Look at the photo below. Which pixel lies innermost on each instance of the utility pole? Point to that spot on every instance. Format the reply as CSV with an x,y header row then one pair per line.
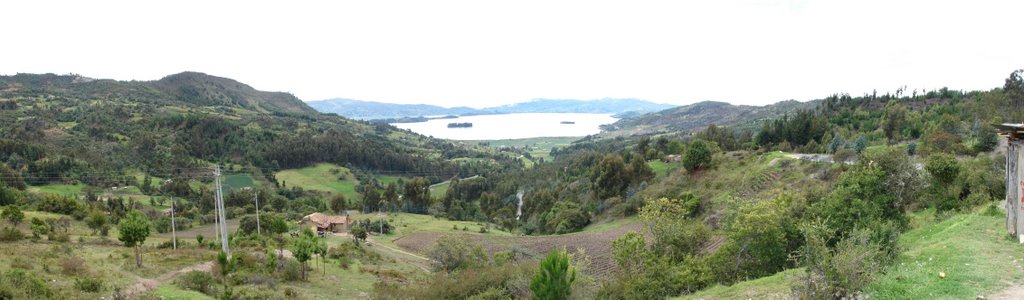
x,y
174,234
220,214
256,197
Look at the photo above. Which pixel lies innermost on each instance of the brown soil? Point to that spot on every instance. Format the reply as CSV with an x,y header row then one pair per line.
x,y
596,245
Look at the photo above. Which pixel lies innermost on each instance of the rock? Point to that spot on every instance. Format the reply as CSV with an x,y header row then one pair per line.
x,y
979,297
942,275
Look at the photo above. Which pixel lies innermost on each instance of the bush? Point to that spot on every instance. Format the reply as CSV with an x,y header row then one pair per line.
x,y
841,272
199,281
11,234
567,216
292,271
89,284
697,156
73,266
452,253
26,285
555,277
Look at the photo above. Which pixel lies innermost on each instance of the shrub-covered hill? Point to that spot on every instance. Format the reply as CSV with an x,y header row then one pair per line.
x,y
68,128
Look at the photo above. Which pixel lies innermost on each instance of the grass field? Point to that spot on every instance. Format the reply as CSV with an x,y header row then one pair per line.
x,y
169,291
973,250
237,182
328,178
661,168
60,189
437,191
321,177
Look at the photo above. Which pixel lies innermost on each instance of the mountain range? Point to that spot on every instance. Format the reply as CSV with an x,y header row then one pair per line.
x,y
358,109
696,116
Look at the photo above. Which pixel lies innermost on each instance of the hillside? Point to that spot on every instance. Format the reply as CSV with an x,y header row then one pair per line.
x,y
69,129
363,110
376,110
182,89
204,89
696,116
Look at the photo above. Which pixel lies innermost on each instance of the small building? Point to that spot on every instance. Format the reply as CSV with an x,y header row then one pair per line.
x,y
320,222
671,158
1014,179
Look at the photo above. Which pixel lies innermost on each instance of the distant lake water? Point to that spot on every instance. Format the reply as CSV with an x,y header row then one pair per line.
x,y
512,126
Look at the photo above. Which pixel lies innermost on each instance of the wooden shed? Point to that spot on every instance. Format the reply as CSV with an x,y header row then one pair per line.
x,y
1014,179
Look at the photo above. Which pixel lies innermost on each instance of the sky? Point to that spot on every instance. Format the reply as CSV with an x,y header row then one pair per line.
x,y
484,53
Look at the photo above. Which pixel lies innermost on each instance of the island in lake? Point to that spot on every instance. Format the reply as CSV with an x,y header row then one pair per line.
x,y
568,122
460,125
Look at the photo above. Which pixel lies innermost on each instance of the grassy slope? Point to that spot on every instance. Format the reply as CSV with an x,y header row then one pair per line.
x,y
661,168
321,178
972,249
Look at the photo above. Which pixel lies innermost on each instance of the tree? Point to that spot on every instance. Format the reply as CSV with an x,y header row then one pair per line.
x,y
338,203
11,178
304,246
639,170
611,177
698,156
225,265
358,234
943,167
97,221
1014,90
391,194
860,144
134,230
278,227
371,198
13,215
39,228
147,185
555,277
417,195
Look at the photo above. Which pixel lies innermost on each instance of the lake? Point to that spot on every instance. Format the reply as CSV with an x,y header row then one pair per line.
x,y
512,126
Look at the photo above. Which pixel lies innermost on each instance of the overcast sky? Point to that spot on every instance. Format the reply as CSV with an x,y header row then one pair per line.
x,y
483,53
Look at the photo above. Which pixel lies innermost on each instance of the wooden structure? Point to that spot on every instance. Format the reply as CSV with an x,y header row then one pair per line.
x,y
1014,179
320,222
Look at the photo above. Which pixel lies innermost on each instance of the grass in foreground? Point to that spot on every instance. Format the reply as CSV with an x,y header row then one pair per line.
x,y
973,250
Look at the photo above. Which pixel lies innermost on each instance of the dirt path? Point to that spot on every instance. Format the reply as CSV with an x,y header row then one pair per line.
x,y
147,284
1015,291
424,259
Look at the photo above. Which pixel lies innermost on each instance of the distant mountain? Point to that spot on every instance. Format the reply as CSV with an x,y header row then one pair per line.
x,y
358,109
204,89
699,115
186,88
600,106
376,110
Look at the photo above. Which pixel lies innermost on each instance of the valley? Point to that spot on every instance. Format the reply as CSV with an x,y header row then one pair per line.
x,y
707,201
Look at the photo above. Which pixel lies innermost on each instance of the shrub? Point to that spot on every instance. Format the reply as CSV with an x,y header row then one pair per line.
x,y
292,271
452,253
10,234
89,284
697,156
841,272
199,281
555,277
26,284
73,266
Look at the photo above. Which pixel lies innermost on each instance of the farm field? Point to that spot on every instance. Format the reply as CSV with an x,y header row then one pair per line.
x,y
596,242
